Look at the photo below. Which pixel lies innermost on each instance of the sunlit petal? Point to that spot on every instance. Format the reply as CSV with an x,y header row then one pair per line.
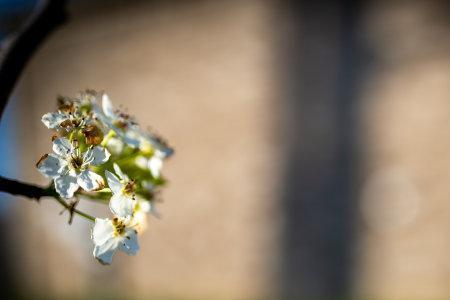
x,y
90,181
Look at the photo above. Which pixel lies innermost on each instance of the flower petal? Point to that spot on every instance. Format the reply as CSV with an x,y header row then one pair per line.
x,y
53,119
144,206
90,181
115,146
104,253
113,182
103,230
108,108
130,244
121,205
155,165
51,165
66,186
119,173
62,146
100,155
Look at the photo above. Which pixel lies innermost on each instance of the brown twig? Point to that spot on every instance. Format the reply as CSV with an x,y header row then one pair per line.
x,y
33,192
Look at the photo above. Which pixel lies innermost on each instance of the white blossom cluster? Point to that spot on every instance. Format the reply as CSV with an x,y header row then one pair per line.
x,y
101,153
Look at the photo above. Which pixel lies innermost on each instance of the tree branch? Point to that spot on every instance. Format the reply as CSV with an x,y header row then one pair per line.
x,y
35,192
17,50
24,189
14,55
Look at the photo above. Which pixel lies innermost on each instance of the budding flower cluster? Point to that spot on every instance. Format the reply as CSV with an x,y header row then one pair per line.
x,y
100,152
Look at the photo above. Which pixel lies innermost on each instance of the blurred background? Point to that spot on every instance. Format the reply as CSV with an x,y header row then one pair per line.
x,y
312,149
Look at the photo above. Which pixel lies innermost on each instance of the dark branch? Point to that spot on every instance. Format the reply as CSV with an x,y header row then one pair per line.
x,y
31,191
20,47
24,189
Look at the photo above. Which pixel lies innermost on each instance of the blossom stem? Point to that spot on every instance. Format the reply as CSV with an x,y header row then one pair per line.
x,y
74,210
35,192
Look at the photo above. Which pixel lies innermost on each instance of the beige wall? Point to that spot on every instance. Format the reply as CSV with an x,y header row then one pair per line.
x,y
199,73
207,75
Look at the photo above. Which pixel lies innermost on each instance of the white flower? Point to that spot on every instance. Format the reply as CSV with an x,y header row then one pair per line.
x,y
128,130
68,116
119,122
110,235
123,199
155,163
69,167
149,141
114,145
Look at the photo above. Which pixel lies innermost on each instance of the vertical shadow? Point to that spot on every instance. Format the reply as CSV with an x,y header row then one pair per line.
x,y
319,71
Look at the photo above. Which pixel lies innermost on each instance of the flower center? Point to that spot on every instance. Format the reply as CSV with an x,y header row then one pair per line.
x,y
123,120
119,226
76,162
129,187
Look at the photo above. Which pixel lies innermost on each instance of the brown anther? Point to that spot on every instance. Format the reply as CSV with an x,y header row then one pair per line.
x,y
93,135
76,162
130,187
65,104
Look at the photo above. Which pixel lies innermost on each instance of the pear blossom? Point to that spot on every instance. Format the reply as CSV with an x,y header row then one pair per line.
x,y
116,120
112,235
69,115
128,129
69,167
123,199
125,202
149,141
155,163
91,133
73,115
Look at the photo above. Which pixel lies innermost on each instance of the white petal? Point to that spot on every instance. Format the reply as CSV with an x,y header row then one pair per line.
x,y
155,165
149,138
90,181
121,205
107,106
144,206
119,173
105,252
141,162
100,155
130,244
51,165
115,146
103,230
61,146
130,138
113,182
66,186
53,119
